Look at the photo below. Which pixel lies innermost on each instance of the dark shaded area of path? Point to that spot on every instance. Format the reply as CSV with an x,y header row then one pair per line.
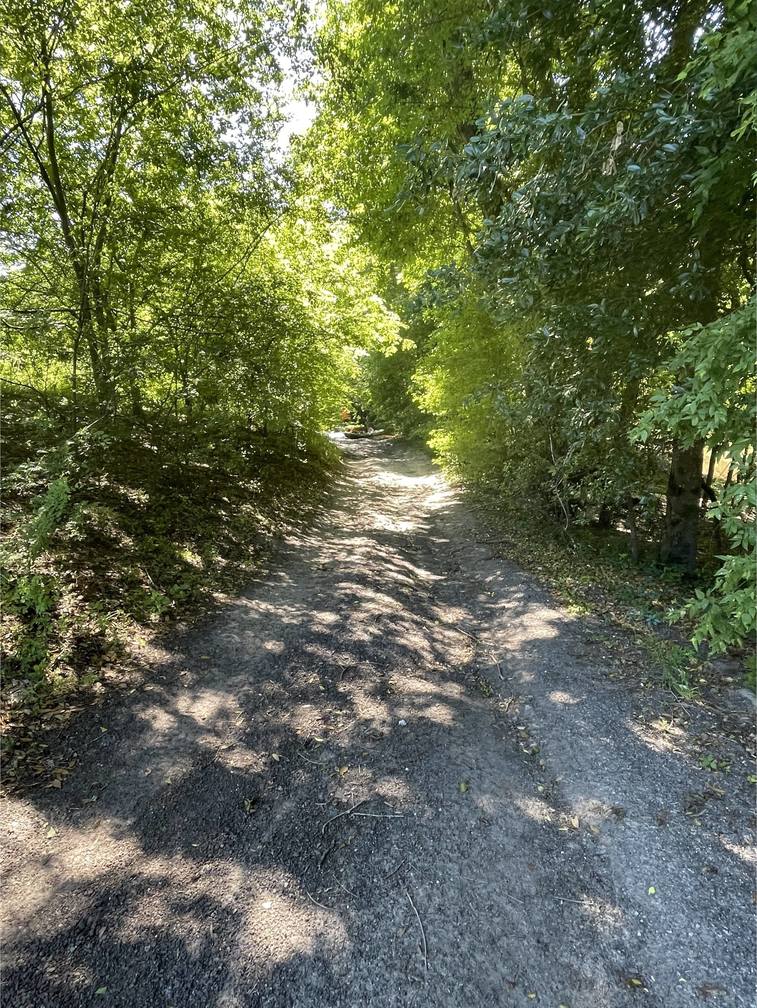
x,y
393,773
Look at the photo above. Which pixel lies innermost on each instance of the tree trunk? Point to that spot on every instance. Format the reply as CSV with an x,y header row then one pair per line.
x,y
605,518
688,20
632,527
679,545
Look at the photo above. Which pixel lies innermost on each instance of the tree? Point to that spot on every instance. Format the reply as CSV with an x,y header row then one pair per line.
x,y
570,189
108,148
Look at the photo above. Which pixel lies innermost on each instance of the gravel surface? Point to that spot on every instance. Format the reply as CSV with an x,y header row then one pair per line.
x,y
394,772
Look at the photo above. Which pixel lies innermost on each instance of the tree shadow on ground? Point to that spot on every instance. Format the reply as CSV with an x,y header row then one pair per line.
x,y
316,799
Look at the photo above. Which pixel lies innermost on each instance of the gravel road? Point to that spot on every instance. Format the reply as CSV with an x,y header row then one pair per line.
x,y
394,772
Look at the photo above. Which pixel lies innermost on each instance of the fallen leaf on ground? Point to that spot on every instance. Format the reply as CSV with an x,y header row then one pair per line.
x,y
636,983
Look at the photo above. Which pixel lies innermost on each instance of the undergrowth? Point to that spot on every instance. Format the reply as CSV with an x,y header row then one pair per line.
x,y
593,572
122,529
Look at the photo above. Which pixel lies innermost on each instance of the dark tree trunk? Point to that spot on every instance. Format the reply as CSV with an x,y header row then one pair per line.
x,y
605,518
634,541
679,545
683,31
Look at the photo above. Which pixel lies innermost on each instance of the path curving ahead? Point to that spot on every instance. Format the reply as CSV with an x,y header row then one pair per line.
x,y
393,773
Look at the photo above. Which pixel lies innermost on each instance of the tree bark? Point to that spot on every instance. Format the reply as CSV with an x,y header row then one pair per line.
x,y
683,33
605,518
679,545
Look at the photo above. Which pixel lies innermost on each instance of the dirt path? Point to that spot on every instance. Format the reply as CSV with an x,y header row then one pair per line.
x,y
393,773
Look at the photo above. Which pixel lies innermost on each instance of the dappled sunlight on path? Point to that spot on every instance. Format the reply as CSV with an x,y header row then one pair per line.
x,y
386,775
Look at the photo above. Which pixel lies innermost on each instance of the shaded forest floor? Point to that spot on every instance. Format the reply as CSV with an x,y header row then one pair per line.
x,y
395,771
592,571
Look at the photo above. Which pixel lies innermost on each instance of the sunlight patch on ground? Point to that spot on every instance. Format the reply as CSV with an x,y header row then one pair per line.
x,y
394,790
396,481
535,809
274,646
159,719
562,697
280,925
746,852
426,688
439,713
606,916
660,736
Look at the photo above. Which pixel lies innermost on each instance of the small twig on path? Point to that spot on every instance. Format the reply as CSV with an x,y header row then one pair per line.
x,y
329,850
339,815
483,882
468,634
567,899
348,891
313,900
380,815
395,870
420,925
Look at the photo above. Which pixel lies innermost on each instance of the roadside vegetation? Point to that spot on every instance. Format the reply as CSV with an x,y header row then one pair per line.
x,y
180,320
563,198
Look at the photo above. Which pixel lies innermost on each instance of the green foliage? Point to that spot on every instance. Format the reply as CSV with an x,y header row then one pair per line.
x,y
385,387
726,613
178,314
472,388
30,591
564,202
32,599
158,257
706,390
48,517
708,394
750,673
676,664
